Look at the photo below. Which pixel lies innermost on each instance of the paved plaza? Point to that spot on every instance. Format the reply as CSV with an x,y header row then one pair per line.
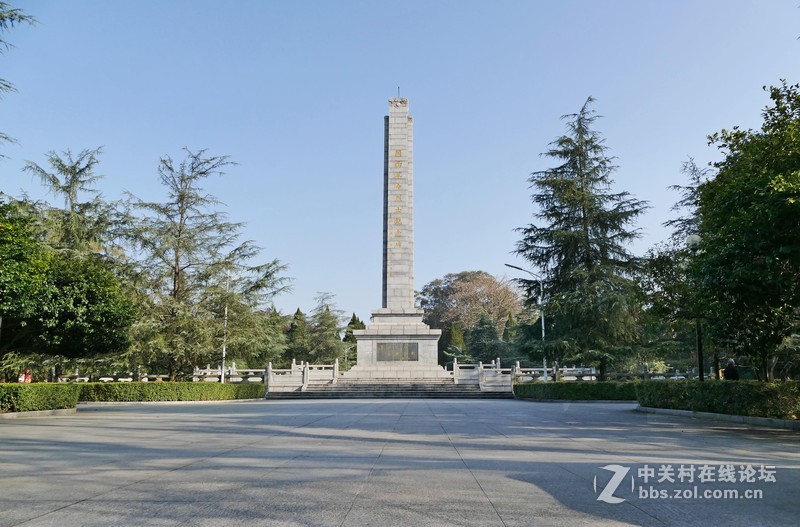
x,y
413,462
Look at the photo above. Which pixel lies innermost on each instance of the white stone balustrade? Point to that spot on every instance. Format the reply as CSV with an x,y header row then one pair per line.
x,y
489,377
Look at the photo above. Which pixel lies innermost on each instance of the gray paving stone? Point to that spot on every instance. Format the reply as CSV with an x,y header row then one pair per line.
x,y
375,462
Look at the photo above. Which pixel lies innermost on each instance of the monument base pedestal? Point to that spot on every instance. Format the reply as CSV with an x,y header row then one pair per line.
x,y
413,374
397,345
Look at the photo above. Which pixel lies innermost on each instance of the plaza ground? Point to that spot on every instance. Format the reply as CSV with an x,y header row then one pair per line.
x,y
383,462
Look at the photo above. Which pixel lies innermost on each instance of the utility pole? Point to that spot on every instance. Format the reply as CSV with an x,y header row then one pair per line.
x,y
225,330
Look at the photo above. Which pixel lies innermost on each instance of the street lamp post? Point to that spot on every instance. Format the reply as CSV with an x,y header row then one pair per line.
x,y
225,330
693,243
541,311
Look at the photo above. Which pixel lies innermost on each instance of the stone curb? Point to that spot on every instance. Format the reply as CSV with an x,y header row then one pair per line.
x,y
38,413
582,401
89,404
787,424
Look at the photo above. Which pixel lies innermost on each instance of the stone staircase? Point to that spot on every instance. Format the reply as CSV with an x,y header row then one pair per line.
x,y
391,388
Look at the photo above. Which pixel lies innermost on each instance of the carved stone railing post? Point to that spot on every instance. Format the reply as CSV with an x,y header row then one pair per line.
x,y
455,370
268,376
516,372
306,375
335,371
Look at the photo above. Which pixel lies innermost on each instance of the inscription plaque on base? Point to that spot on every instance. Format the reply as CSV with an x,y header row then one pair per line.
x,y
397,351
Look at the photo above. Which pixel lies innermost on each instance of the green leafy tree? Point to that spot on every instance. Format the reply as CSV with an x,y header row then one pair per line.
x,y
82,226
483,342
673,307
325,332
463,299
456,336
747,268
452,346
23,274
435,299
527,341
193,266
466,297
252,335
581,239
688,222
350,339
57,303
86,312
509,328
354,324
298,337
9,17
275,339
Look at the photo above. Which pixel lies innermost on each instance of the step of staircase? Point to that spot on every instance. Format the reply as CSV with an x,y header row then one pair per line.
x,y
392,389
395,382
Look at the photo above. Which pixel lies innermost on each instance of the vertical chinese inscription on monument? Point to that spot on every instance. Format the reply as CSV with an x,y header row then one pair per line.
x,y
398,286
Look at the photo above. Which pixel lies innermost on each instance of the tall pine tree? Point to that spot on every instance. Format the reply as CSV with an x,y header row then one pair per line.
x,y
350,339
194,268
297,336
580,242
81,226
9,17
325,332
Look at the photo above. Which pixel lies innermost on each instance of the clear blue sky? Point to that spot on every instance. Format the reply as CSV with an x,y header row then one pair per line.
x,y
295,92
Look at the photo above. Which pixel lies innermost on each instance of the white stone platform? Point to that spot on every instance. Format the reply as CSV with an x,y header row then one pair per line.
x,y
398,371
397,345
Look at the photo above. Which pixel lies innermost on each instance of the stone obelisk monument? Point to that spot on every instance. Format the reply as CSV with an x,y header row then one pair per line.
x,y
397,344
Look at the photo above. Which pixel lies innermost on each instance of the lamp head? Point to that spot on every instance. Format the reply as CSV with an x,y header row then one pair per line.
x,y
693,242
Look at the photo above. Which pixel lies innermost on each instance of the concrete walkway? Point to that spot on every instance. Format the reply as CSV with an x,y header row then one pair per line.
x,y
387,462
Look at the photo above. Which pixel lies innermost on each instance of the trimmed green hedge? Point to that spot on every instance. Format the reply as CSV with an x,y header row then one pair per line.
x,y
577,391
168,391
38,396
780,400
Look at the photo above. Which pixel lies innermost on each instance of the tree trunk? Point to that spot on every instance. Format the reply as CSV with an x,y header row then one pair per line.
x,y
771,362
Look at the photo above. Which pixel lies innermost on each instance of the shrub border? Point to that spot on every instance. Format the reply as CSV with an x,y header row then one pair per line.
x,y
576,391
777,400
42,399
129,392
788,424
19,398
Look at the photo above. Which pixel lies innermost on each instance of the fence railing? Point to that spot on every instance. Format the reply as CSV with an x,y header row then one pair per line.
x,y
491,376
111,377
